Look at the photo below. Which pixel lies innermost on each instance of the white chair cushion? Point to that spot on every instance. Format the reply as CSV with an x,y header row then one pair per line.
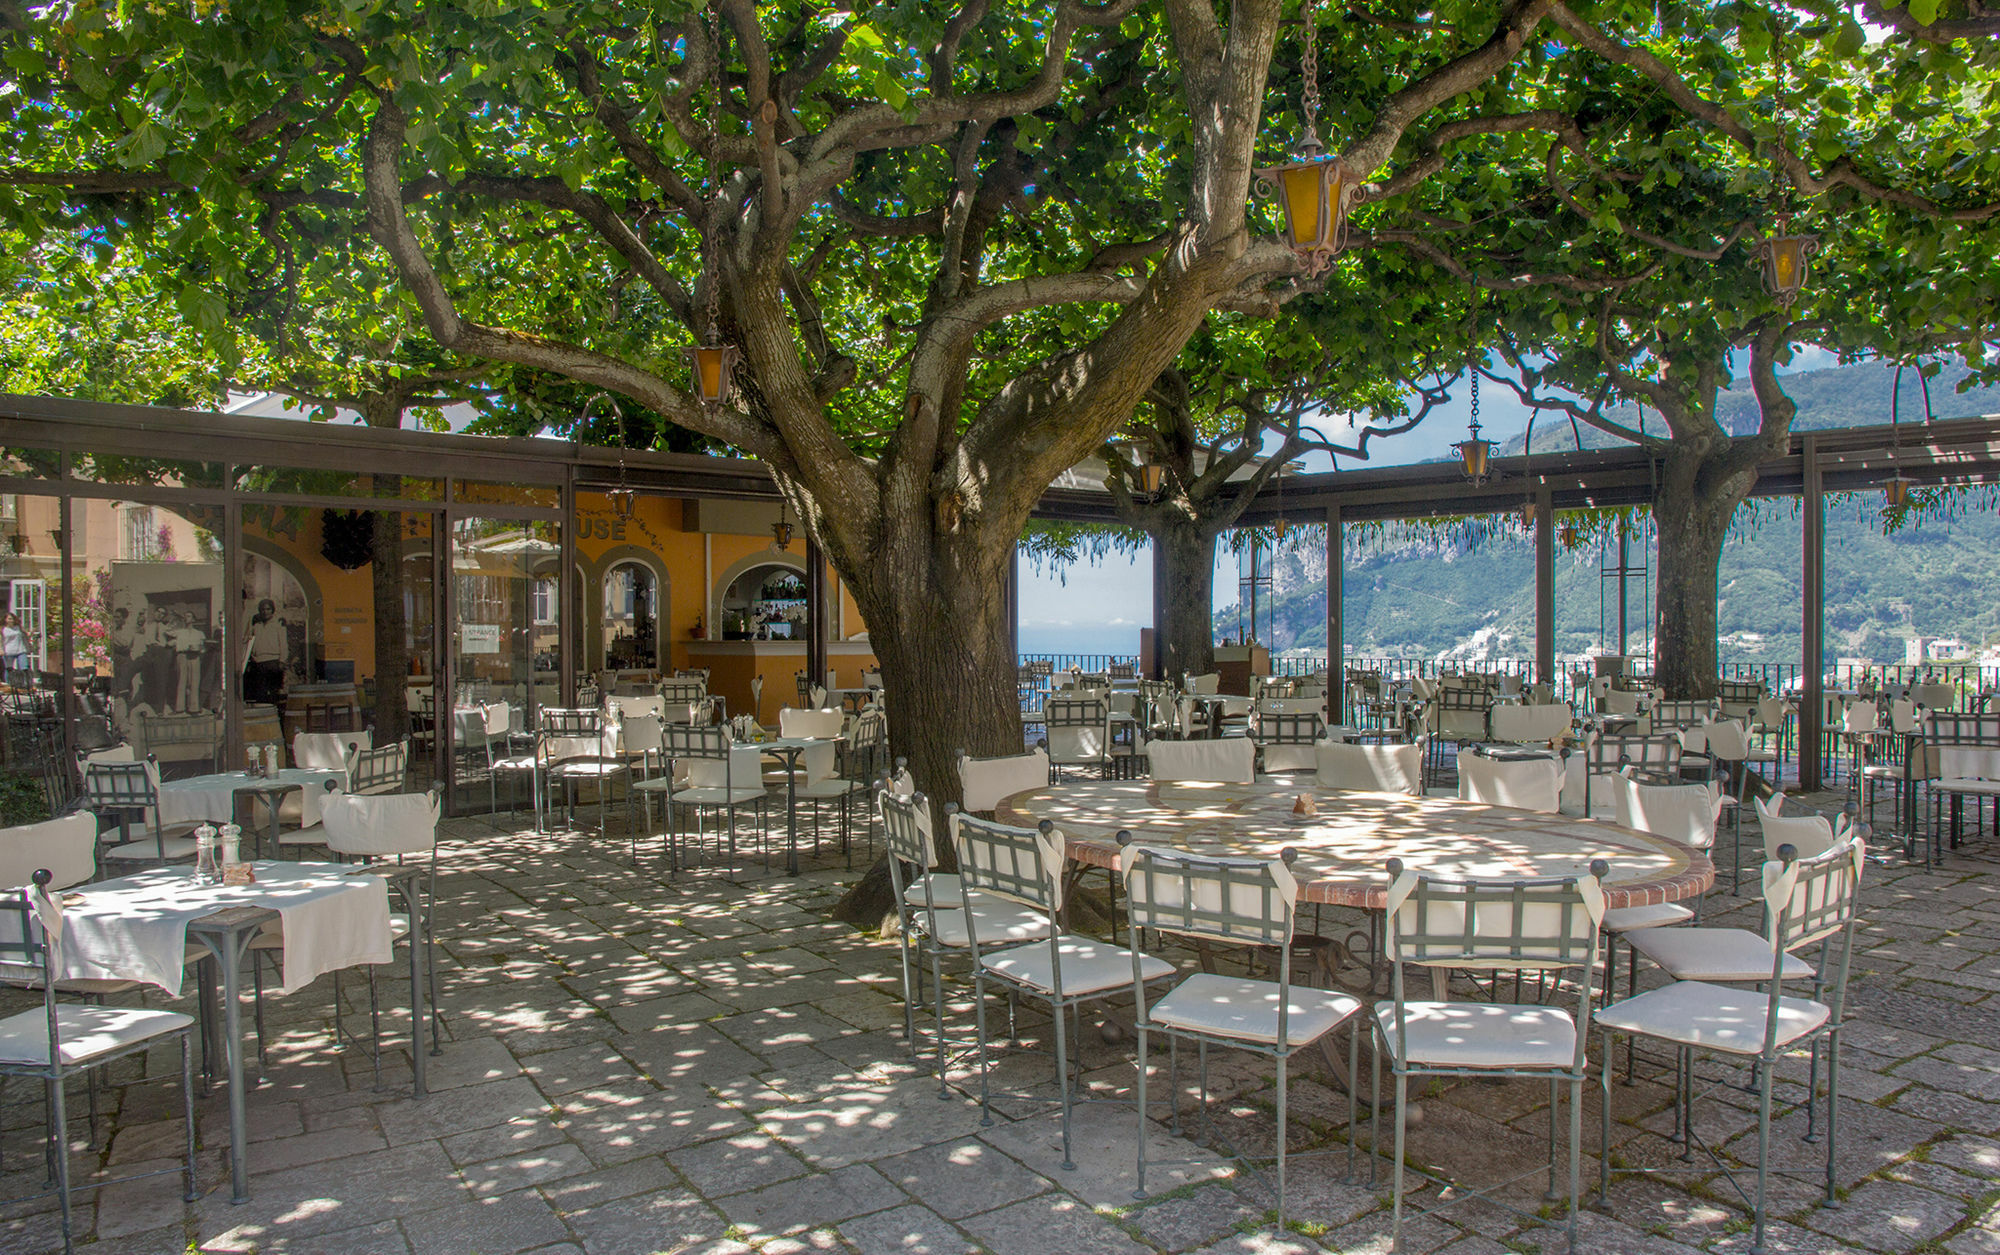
x,y
829,787
1000,923
940,889
146,848
1714,954
1223,1006
1371,768
1231,760
387,823
1533,784
986,782
66,846
85,1032
1967,784
1088,965
713,796
1718,1017
1627,919
315,835
1480,1034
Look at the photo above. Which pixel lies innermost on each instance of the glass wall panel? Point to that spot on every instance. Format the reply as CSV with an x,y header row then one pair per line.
x,y
631,618
31,645
338,627
148,620
476,492
504,645
33,463
324,483
141,472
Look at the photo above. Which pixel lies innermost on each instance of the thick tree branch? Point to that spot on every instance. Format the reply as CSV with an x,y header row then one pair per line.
x,y
389,226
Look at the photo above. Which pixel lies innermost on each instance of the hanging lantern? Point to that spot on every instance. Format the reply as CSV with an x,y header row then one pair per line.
x,y
1314,191
622,497
1528,515
1314,194
1473,453
711,364
1786,259
781,531
1566,535
1896,492
1279,527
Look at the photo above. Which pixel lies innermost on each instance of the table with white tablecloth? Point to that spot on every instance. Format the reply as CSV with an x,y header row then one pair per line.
x,y
212,798
333,916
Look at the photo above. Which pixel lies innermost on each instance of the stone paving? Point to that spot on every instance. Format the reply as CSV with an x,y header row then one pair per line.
x,y
636,1064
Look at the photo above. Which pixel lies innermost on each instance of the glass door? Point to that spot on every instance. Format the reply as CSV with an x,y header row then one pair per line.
x,y
503,645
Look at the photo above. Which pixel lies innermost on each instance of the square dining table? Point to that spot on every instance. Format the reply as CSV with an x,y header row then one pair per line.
x,y
334,915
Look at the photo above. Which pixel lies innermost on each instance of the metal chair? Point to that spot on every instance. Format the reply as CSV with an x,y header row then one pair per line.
x,y
719,775
1233,902
860,761
123,792
1079,734
1285,739
1547,925
1024,866
572,753
1230,759
1807,902
63,1038
395,827
1384,768
1533,784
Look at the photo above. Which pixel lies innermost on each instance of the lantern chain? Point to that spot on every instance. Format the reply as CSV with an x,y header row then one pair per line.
x,y
715,174
1309,70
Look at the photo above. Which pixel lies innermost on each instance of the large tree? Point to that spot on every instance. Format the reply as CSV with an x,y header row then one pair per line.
x,y
954,248
1619,269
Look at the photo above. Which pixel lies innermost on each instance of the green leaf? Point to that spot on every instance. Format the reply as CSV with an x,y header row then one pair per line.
x,y
1924,11
891,90
1848,39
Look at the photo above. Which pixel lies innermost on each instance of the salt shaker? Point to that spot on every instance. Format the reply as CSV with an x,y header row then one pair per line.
x,y
271,760
226,850
206,870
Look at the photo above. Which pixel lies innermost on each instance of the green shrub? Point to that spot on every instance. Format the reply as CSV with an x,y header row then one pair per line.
x,y
21,798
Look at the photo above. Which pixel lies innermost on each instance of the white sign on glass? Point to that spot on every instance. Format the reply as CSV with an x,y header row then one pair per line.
x,y
479,638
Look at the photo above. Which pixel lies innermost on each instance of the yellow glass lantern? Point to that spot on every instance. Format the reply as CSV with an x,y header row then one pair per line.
x,y
711,364
1150,478
1896,492
1314,194
1566,535
622,497
1787,262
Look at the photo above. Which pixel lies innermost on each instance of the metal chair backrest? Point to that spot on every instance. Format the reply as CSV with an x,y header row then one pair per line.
x,y
1079,730
1860,715
1022,865
1810,899
382,770
639,704
1686,813
31,928
1658,756
907,831
1286,728
1372,768
1967,745
572,721
1462,713
386,825
683,692
1533,784
1809,835
644,735
687,742
986,782
66,847
1230,760
1738,698
112,787
867,744
1236,901
1548,922
1682,714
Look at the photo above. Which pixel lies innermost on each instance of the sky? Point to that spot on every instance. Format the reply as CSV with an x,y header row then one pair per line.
x,y
1100,607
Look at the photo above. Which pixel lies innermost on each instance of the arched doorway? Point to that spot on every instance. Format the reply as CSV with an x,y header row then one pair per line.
x,y
631,623
763,601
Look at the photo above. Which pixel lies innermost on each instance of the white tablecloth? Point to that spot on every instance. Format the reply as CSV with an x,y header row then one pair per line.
x,y
135,927
212,798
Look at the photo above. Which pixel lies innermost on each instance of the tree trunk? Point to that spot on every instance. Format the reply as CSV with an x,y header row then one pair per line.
x,y
1185,554
1698,497
938,621
392,655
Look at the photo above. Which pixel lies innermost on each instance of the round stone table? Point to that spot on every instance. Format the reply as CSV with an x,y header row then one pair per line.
x,y
1344,851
